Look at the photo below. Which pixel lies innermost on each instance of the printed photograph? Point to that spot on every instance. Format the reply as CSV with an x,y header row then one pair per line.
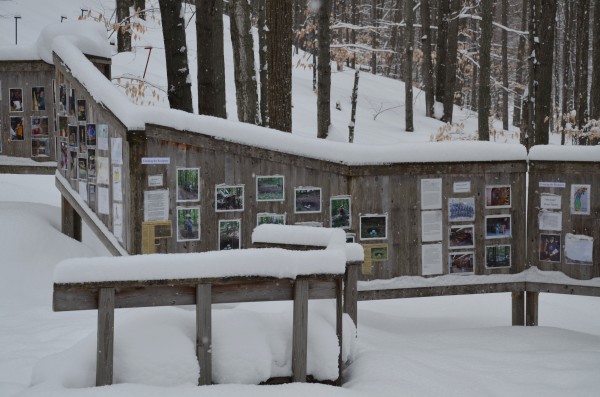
x,y
461,209
73,136
340,211
73,164
461,236
16,99
82,166
229,198
16,129
580,199
188,223
271,219
63,126
72,104
579,249
270,188
497,196
92,196
229,234
550,248
63,149
62,98
497,256
188,184
90,134
379,254
462,262
373,227
38,98
81,138
39,126
307,200
81,110
40,147
91,163
497,226
350,238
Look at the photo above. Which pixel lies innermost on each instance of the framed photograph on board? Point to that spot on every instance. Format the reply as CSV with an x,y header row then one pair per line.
x,y
373,227
497,256
38,98
188,184
270,188
550,247
188,223
307,200
498,196
580,199
461,209
17,132
229,198
340,211
497,226
461,236
16,99
271,219
230,234
461,262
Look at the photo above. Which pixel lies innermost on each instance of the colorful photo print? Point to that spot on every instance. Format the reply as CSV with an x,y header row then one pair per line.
x,y
73,164
38,98
81,110
271,219
91,163
497,256
461,209
90,134
92,196
72,112
16,129
550,248
307,200
579,249
461,262
461,236
63,126
497,226
379,254
373,227
81,138
270,188
39,126
497,196
188,223
188,184
229,198
340,211
16,99
350,238
82,173
73,136
62,98
40,147
63,150
580,199
229,234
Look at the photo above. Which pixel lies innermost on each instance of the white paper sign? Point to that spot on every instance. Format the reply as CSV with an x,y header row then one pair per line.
x,y
102,170
579,249
431,226
550,201
550,220
83,193
156,160
116,151
102,133
103,200
155,180
553,184
431,194
118,221
431,259
117,184
462,187
156,205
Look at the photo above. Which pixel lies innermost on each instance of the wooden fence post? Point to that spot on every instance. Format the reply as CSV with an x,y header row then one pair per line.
x,y
351,290
106,330
300,330
204,332
339,326
518,308
70,220
531,312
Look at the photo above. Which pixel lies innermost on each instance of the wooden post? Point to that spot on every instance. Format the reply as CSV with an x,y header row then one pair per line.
x,y
106,330
204,332
71,221
339,326
300,330
518,308
137,177
531,310
351,290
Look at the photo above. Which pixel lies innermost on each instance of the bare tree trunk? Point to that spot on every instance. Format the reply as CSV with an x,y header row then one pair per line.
x,y
451,61
441,53
243,62
566,61
487,11
408,45
354,21
279,86
179,83
519,90
139,6
505,93
324,78
262,54
528,131
475,74
394,36
211,62
581,61
352,124
124,33
427,61
374,45
595,93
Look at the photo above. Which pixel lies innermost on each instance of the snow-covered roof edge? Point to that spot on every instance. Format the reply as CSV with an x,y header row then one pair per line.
x,y
564,153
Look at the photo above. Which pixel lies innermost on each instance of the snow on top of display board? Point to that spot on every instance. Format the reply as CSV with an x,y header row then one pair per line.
x,y
564,153
267,262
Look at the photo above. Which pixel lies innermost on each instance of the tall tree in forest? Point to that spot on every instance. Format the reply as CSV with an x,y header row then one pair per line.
x,y
485,46
179,83
595,93
409,39
124,33
505,92
140,6
243,61
580,94
520,79
395,34
324,78
566,64
279,84
262,62
441,52
211,62
374,45
354,16
452,50
427,61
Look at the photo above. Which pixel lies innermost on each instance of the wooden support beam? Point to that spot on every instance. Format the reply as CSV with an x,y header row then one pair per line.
x,y
531,309
300,330
351,290
106,330
518,308
71,221
204,333
339,327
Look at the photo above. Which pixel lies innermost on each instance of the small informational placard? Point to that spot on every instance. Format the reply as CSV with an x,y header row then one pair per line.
x,y
431,194
102,133
550,220
431,259
118,221
156,160
116,151
103,200
462,187
549,201
102,170
117,184
156,205
553,184
155,180
579,249
431,226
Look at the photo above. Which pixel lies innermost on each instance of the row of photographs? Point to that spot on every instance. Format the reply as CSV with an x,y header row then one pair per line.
x,y
39,128
38,99
496,257
188,229
496,226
